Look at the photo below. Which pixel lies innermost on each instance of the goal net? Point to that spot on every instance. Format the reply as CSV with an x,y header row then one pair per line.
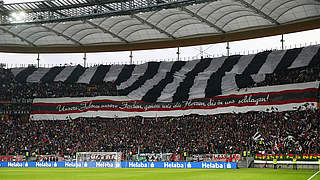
x,y
100,157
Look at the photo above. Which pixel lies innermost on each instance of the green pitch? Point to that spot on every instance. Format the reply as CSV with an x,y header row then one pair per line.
x,y
151,174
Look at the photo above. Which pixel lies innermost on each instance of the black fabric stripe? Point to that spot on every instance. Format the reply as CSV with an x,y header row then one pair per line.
x,y
76,73
24,74
182,92
99,75
51,74
153,94
316,59
256,63
244,80
214,83
287,60
125,74
151,71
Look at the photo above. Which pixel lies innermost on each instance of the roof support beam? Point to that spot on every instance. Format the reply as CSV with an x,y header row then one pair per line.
x,y
18,36
264,15
53,5
203,20
84,8
96,26
61,34
153,26
106,31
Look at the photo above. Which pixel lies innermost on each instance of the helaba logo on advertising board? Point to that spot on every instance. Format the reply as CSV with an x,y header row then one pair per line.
x,y
72,164
173,165
104,164
189,165
15,164
138,165
212,166
152,165
44,164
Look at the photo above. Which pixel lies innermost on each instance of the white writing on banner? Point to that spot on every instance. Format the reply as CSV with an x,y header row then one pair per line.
x,y
90,105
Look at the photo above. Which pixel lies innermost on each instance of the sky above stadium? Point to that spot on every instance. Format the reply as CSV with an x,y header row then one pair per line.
x,y
186,53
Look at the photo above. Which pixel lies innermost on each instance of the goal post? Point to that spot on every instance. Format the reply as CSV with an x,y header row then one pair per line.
x,y
100,157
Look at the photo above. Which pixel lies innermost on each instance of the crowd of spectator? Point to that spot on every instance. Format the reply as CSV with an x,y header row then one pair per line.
x,y
272,132
297,75
11,89
59,89
285,132
15,108
6,80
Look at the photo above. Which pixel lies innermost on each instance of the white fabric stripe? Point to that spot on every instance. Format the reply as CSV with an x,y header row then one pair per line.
x,y
305,57
124,114
138,71
258,77
200,81
64,74
272,61
149,84
16,71
170,89
297,86
242,64
113,73
87,75
37,75
228,83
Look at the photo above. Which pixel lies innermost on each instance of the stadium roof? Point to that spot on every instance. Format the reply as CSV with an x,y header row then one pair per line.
x,y
54,26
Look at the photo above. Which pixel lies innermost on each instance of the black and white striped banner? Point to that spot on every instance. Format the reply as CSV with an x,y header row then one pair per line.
x,y
179,81
270,98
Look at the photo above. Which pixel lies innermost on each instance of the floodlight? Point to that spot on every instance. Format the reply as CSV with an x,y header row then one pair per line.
x,y
17,16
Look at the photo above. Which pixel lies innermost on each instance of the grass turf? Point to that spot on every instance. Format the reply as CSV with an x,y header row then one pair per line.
x,y
152,174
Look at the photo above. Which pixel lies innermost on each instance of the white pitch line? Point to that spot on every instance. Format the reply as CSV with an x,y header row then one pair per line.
x,y
313,175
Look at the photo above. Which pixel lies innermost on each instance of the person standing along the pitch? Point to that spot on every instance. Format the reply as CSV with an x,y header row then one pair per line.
x,y
275,163
294,161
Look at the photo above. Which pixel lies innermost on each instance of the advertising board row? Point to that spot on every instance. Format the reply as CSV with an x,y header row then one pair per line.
x,y
304,157
95,164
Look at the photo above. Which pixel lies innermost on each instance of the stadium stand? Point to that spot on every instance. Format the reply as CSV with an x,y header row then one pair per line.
x,y
293,131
